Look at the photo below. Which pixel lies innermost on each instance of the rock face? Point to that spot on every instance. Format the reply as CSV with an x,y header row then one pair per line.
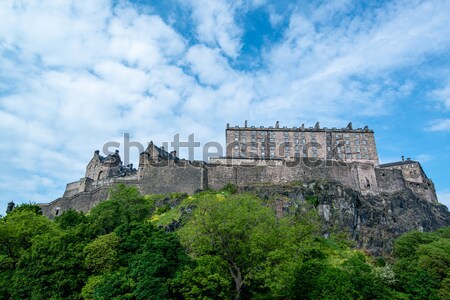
x,y
373,221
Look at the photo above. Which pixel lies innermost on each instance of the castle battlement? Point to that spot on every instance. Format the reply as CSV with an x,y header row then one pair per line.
x,y
317,127
263,155
346,144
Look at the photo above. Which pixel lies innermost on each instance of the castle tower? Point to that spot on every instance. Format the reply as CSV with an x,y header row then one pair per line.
x,y
345,144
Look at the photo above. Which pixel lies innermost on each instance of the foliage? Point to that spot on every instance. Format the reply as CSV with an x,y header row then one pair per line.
x,y
313,200
229,188
423,264
230,245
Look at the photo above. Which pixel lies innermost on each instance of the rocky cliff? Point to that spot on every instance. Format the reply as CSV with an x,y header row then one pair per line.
x,y
373,221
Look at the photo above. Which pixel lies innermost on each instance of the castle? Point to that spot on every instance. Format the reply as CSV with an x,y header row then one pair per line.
x,y
254,155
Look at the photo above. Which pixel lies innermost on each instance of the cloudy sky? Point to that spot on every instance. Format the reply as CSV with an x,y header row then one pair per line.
x,y
77,74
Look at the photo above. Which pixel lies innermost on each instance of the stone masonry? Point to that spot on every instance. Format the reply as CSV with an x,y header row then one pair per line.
x,y
345,156
345,144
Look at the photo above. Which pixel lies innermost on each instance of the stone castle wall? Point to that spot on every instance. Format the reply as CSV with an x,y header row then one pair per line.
x,y
189,177
346,144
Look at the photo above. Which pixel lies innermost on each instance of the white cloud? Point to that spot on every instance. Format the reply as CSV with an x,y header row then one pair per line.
x,y
315,53
74,75
210,67
216,25
424,158
440,125
443,95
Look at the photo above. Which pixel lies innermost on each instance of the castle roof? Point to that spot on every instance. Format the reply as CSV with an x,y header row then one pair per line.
x,y
399,163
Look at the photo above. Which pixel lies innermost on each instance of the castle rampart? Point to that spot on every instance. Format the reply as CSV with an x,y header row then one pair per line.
x,y
161,172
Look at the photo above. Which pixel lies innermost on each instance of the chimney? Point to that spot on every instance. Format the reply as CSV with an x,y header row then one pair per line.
x,y
245,124
117,151
350,126
317,126
277,125
173,153
97,152
403,158
409,158
228,125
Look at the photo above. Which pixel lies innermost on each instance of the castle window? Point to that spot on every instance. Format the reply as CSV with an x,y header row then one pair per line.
x,y
347,142
302,134
236,146
328,148
286,133
347,149
297,148
357,142
365,149
357,149
303,141
337,142
349,156
346,135
364,142
296,141
296,134
358,155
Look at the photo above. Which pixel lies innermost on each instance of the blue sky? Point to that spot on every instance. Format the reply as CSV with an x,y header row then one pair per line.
x,y
77,74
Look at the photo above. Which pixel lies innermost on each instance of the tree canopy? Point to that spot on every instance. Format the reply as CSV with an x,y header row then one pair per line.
x,y
210,245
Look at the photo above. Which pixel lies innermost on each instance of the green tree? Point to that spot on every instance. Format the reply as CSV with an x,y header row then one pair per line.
x,y
124,206
52,268
101,254
238,229
18,229
71,219
147,260
422,264
204,279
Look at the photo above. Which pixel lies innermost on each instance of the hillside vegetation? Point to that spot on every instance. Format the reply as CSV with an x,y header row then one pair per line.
x,y
211,245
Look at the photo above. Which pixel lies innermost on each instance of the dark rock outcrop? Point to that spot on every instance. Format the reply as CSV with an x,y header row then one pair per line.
x,y
372,221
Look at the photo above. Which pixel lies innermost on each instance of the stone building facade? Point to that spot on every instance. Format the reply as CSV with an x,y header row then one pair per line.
x,y
290,143
348,158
